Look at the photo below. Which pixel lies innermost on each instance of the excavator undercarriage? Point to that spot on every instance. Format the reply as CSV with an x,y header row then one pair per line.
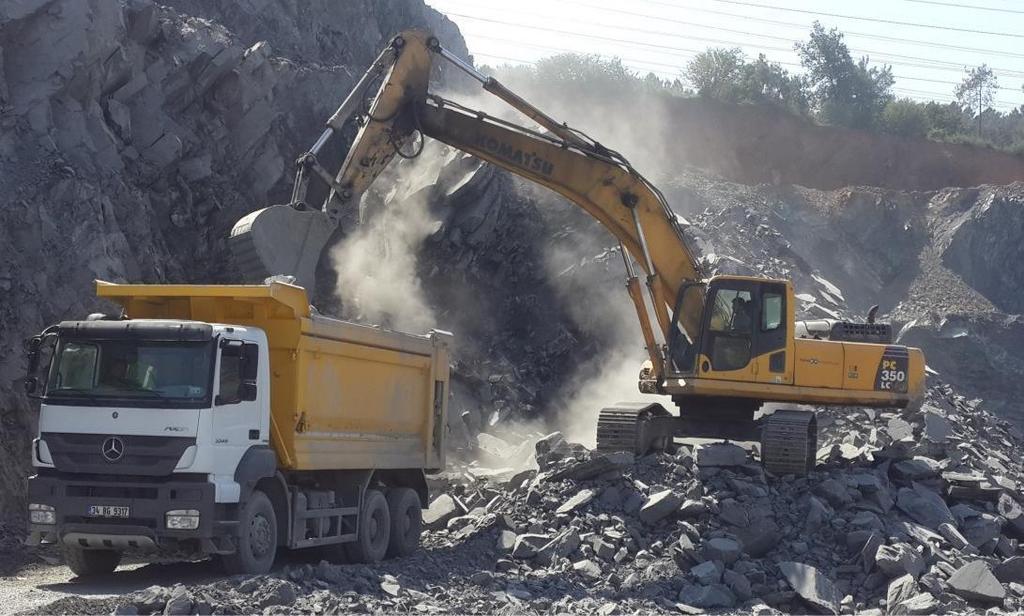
x,y
788,438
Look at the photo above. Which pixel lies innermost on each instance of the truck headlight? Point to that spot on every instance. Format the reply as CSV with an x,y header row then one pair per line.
x,y
183,519
42,514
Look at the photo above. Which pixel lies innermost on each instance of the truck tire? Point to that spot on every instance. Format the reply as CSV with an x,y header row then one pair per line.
x,y
406,521
88,563
257,540
374,530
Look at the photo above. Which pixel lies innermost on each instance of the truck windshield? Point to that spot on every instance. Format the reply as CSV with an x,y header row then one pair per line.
x,y
147,370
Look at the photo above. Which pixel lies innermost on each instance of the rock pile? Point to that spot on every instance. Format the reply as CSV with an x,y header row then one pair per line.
x,y
916,512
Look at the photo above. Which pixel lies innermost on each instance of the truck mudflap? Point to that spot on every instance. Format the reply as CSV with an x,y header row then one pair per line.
x,y
129,515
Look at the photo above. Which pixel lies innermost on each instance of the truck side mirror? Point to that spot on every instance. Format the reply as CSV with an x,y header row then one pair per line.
x,y
250,356
32,347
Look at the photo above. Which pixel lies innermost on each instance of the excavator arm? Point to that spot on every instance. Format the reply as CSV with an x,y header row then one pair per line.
x,y
288,239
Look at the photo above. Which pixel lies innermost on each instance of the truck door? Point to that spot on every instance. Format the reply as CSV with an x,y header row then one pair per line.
x,y
236,412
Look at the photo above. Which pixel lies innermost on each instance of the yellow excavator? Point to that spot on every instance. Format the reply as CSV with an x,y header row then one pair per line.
x,y
720,347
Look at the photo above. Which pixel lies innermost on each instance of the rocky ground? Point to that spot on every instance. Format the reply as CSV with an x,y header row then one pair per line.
x,y
906,513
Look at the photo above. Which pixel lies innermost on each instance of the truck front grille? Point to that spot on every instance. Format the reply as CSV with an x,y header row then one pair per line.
x,y
142,455
112,492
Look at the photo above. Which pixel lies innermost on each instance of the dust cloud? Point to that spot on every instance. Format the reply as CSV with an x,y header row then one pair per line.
x,y
586,268
377,263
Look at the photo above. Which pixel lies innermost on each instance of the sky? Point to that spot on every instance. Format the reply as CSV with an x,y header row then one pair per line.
x,y
928,43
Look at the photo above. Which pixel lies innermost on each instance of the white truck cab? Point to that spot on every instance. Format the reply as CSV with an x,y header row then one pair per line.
x,y
131,401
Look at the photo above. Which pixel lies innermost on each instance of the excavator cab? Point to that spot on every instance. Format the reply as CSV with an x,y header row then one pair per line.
x,y
744,330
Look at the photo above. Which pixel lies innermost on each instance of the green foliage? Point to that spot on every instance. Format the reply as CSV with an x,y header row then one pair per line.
x,y
714,72
843,92
836,90
905,118
725,75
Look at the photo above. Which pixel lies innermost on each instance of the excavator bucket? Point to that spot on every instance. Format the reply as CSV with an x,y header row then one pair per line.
x,y
280,240
288,239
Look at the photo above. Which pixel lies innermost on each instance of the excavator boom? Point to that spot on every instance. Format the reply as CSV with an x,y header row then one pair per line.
x,y
720,347
288,239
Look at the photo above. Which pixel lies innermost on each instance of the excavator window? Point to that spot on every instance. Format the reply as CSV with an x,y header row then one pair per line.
x,y
771,312
730,328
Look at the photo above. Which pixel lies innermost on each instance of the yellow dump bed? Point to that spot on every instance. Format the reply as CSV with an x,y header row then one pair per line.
x,y
343,395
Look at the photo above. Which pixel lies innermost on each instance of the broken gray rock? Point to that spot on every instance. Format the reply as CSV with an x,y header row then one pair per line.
x,y
716,595
899,559
527,545
733,512
916,468
722,549
506,541
659,505
721,454
758,537
918,605
975,582
924,506
179,603
441,510
1012,511
812,586
596,465
834,492
580,499
707,573
1010,570
900,589
953,536
738,584
587,569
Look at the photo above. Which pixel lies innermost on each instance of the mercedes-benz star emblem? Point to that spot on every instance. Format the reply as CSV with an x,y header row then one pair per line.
x,y
112,449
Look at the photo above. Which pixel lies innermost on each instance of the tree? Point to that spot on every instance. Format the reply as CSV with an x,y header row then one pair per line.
x,y
905,118
844,92
725,75
977,91
762,81
713,72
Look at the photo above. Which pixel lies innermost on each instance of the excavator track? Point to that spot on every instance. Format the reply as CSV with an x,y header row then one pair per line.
x,y
631,427
789,442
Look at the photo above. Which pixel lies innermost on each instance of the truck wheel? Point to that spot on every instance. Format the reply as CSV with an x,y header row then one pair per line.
x,y
374,530
406,521
257,540
87,563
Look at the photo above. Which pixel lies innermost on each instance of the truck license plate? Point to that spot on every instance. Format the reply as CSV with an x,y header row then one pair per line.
x,y
108,511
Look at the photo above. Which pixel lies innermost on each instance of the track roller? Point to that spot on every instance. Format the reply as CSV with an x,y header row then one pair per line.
x,y
789,442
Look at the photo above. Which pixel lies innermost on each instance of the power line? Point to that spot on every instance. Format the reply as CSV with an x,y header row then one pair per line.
x,y
880,37
966,6
948,97
653,45
948,65
936,65
871,19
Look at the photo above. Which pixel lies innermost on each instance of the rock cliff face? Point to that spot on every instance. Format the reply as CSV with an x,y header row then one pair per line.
x,y
133,135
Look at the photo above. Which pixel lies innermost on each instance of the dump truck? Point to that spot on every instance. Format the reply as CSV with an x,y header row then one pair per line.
x,y
234,421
